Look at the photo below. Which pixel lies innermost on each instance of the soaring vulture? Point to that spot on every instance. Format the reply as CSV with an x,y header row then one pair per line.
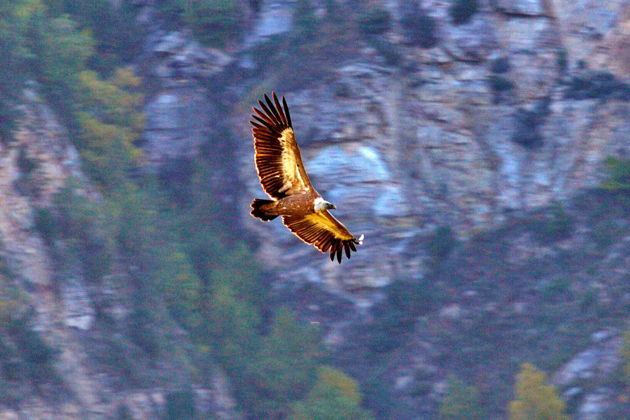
x,y
283,177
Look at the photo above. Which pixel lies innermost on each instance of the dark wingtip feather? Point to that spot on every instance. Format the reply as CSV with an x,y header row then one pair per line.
x,y
286,111
272,108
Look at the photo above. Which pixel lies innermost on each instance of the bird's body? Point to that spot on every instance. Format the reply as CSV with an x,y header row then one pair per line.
x,y
283,177
292,205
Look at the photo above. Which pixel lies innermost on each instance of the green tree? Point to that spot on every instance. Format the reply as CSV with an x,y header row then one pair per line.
x,y
535,400
61,51
284,367
109,121
230,327
619,174
15,17
335,396
461,402
214,22
118,38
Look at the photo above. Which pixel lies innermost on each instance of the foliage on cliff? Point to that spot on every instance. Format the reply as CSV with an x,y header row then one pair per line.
x,y
535,399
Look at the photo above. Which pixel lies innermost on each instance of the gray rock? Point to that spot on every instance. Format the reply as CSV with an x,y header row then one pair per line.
x,y
275,18
594,404
79,312
180,57
599,360
178,121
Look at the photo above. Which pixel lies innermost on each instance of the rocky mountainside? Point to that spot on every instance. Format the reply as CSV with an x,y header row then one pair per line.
x,y
463,138
57,311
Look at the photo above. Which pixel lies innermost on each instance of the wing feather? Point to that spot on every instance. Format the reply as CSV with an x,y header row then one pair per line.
x,y
278,159
324,232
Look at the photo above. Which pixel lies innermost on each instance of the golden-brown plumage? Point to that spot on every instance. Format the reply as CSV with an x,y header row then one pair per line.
x,y
283,177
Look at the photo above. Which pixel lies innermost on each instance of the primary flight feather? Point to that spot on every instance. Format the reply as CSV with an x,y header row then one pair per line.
x,y
283,177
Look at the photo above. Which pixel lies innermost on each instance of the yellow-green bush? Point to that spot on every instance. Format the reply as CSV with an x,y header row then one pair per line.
x,y
535,399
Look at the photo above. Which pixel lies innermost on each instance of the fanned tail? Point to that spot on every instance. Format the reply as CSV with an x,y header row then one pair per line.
x,y
263,209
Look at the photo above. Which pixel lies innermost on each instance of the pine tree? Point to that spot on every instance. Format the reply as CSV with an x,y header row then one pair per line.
x,y
535,400
284,367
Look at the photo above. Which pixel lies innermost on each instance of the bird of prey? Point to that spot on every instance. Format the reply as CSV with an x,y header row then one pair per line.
x,y
283,177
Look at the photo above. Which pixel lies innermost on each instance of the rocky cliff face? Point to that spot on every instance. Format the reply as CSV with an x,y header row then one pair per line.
x,y
67,314
509,111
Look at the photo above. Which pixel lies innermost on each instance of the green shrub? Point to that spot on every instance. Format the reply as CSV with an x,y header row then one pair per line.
x,y
416,297
81,225
118,37
46,225
180,405
501,87
396,315
558,224
461,11
15,18
25,182
598,84
461,402
500,83
606,233
35,356
284,368
419,28
388,50
214,22
123,413
527,128
374,21
500,65
441,243
555,288
618,175
142,329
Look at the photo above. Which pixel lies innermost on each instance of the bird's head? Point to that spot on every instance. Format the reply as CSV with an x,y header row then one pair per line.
x,y
321,204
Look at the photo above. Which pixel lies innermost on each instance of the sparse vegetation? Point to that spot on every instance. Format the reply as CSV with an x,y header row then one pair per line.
x,y
419,28
500,65
214,22
441,243
180,405
25,355
388,50
619,175
462,11
558,224
598,84
374,21
461,402
527,128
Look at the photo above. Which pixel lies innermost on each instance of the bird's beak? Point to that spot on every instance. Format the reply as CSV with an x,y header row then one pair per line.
x,y
332,207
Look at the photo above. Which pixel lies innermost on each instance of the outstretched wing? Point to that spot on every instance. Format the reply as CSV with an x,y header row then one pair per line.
x,y
277,156
324,232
